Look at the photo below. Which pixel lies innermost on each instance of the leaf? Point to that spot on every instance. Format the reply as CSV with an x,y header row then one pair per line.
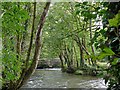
x,y
102,55
96,9
115,21
115,61
108,51
85,3
77,12
77,5
10,76
87,56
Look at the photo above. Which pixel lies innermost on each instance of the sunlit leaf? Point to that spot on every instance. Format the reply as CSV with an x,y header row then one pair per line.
x,y
108,51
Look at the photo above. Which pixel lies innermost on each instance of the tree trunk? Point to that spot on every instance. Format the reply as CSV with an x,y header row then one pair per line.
x,y
77,39
18,46
66,56
27,73
61,59
31,39
92,48
77,64
29,49
81,57
91,36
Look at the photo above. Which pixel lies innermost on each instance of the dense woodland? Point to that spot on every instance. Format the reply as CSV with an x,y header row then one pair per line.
x,y
85,36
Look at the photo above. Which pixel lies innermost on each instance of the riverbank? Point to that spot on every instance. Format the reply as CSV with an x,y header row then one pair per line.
x,y
86,70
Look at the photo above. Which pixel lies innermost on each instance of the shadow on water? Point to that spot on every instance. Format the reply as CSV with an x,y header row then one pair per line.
x,y
54,78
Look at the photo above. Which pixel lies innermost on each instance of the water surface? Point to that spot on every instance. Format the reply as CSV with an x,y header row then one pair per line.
x,y
54,78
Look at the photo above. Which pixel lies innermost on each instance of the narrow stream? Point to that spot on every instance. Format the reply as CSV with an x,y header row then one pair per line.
x,y
54,78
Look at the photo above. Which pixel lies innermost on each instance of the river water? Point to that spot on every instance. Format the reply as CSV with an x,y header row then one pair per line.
x,y
54,78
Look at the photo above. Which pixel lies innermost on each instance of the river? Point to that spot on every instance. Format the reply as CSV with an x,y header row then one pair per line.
x,y
54,78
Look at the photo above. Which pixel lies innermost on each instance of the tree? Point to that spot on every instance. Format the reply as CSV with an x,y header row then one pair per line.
x,y
11,81
113,43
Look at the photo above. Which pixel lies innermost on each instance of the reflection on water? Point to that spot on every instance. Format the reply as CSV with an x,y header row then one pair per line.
x,y
54,78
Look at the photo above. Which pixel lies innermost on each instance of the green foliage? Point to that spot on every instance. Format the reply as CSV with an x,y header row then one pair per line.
x,y
64,22
57,27
14,16
88,10
115,21
106,52
115,61
12,67
113,73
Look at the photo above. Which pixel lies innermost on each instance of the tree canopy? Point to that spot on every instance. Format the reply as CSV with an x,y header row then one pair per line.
x,y
81,34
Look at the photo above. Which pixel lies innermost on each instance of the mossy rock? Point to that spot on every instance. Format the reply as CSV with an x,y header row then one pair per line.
x,y
79,72
63,69
70,70
56,66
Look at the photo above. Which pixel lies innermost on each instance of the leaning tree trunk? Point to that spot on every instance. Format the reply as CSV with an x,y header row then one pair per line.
x,y
77,63
61,59
81,56
77,39
92,48
18,46
27,73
